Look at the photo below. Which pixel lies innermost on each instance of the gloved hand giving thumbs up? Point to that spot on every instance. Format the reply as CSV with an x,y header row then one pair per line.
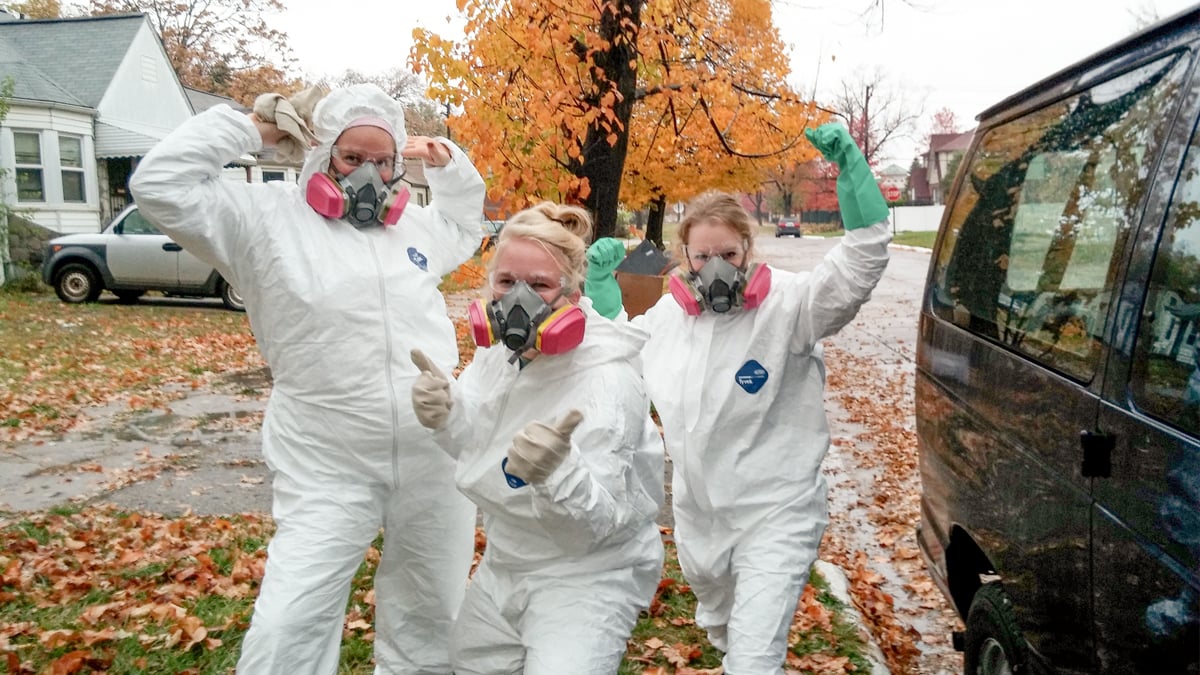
x,y
538,450
430,392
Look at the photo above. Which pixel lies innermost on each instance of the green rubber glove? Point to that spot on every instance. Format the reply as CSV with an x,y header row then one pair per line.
x,y
859,198
601,286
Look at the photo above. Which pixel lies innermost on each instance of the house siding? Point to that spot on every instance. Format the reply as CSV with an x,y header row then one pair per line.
x,y
145,96
53,213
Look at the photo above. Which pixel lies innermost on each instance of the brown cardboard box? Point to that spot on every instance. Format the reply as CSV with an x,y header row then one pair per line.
x,y
639,292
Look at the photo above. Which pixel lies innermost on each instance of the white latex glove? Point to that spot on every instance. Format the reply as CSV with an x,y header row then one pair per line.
x,y
430,393
293,116
538,450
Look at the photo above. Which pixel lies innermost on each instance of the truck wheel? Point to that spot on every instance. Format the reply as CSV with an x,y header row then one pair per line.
x,y
993,644
77,282
231,298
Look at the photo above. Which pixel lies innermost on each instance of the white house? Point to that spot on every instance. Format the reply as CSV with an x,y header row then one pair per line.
x,y
90,96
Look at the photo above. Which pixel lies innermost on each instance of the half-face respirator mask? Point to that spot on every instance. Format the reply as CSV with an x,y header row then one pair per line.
x,y
720,287
521,320
362,197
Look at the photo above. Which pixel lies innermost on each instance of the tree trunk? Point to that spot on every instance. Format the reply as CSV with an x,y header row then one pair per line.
x,y
758,204
654,223
602,164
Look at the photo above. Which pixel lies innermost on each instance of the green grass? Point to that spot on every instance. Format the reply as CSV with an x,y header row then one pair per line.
x,y
905,238
919,239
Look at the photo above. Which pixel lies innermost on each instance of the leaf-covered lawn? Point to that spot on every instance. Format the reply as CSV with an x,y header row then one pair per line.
x,y
99,590
102,590
56,359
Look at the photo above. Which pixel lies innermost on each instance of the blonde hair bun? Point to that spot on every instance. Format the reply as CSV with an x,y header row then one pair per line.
x,y
564,230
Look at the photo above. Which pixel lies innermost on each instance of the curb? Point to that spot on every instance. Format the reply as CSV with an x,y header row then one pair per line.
x,y
840,589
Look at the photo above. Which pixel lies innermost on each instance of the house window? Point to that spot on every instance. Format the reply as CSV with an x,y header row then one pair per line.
x,y
70,153
269,176
30,187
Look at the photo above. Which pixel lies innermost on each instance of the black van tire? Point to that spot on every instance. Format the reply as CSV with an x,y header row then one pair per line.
x,y
230,297
77,282
993,641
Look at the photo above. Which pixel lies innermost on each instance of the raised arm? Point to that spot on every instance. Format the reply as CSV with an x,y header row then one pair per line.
x,y
456,207
178,184
832,294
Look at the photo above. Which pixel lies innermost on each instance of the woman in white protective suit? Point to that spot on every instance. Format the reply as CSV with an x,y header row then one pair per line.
x,y
734,369
339,276
551,428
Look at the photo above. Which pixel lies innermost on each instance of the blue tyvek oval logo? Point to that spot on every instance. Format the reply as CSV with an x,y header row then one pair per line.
x,y
418,258
751,376
513,481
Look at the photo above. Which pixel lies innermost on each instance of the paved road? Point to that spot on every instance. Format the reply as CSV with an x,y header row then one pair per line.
x,y
882,342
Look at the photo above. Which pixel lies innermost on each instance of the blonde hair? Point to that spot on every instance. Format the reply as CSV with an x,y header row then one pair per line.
x,y
562,230
718,208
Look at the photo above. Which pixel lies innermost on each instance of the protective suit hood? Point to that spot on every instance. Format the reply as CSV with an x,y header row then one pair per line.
x,y
343,106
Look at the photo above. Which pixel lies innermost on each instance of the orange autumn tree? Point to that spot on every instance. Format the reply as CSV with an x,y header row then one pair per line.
x,y
716,114
548,91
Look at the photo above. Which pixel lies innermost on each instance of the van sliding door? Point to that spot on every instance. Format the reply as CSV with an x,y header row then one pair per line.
x,y
1146,533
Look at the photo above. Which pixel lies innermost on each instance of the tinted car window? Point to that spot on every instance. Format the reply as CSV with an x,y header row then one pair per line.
x,y
1166,379
136,223
1048,203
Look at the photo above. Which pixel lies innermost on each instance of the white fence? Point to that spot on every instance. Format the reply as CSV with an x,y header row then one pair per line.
x,y
918,218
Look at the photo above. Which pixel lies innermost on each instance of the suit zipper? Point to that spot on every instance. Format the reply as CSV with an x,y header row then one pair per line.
x,y
387,365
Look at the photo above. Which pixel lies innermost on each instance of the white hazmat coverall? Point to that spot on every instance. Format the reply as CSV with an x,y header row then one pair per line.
x,y
570,562
336,311
741,399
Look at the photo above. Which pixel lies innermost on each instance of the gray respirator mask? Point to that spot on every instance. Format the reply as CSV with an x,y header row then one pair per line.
x,y
517,314
369,198
720,284
520,320
362,198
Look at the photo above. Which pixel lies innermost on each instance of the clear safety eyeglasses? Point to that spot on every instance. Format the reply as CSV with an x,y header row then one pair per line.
x,y
729,253
503,283
383,162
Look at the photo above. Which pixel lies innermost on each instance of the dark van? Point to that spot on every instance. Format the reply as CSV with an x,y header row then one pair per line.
x,y
1058,371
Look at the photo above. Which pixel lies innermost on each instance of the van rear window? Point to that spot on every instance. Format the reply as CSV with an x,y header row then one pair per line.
x,y
1046,205
1166,367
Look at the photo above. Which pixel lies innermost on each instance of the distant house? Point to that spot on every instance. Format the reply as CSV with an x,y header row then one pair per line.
x,y
942,150
893,175
90,96
918,186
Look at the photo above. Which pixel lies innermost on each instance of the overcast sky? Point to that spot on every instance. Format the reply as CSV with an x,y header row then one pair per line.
x,y
960,54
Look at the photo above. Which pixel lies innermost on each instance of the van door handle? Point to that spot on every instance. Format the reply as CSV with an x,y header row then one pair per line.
x,y
172,246
1097,453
